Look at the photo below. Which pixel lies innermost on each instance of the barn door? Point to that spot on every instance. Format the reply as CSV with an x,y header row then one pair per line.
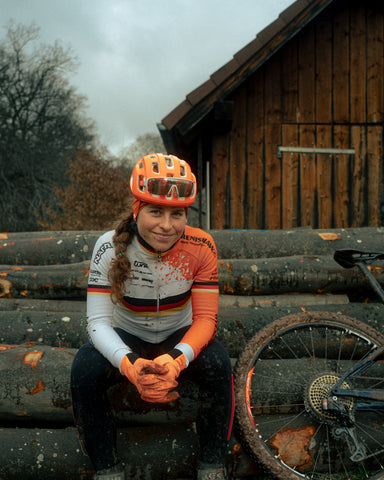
x,y
331,175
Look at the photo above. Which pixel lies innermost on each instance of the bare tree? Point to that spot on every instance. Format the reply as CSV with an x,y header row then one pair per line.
x,y
143,145
42,124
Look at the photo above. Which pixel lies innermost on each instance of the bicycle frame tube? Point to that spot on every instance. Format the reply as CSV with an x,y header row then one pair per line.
x,y
357,369
372,280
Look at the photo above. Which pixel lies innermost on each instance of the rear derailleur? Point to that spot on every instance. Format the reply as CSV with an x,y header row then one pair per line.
x,y
345,430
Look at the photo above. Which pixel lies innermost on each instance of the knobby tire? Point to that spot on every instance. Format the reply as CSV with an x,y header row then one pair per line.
x,y
279,388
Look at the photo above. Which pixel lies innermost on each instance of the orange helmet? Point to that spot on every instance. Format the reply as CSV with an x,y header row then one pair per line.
x,y
163,180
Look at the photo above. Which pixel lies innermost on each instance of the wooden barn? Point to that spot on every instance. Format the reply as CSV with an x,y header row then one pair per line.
x,y
289,132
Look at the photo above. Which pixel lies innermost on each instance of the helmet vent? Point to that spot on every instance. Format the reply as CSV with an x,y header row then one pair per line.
x,y
155,167
141,183
169,162
182,171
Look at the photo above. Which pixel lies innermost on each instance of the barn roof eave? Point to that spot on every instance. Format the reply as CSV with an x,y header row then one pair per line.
x,y
200,102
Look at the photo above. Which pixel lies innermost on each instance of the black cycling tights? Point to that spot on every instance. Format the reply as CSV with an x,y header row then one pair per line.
x,y
92,374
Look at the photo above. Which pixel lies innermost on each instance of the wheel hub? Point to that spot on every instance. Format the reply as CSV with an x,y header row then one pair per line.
x,y
319,389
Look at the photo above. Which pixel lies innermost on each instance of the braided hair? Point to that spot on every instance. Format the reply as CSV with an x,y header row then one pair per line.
x,y
120,269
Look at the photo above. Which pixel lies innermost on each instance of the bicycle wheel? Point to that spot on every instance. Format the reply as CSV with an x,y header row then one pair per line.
x,y
281,380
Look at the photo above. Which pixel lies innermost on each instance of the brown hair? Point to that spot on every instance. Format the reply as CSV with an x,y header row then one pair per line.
x,y
120,269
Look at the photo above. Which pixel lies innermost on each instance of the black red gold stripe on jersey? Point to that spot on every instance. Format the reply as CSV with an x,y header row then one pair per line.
x,y
206,287
98,290
151,308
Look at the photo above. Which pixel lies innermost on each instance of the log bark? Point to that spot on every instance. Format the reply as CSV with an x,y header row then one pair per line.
x,y
34,379
294,241
34,382
47,248
148,452
43,248
41,305
53,281
236,325
56,329
311,274
66,306
35,387
316,274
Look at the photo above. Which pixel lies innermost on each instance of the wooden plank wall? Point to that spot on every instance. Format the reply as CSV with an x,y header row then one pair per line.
x,y
324,88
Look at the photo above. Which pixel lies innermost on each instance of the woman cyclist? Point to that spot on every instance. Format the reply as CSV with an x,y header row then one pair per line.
x,y
152,309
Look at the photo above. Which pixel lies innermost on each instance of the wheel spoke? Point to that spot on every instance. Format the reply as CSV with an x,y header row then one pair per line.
x,y
293,367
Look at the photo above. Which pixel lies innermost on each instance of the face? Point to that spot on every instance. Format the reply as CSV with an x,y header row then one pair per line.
x,y
161,226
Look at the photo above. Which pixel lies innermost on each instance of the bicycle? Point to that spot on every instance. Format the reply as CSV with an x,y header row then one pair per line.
x,y
309,393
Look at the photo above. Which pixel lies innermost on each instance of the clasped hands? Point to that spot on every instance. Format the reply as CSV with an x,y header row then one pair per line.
x,y
154,379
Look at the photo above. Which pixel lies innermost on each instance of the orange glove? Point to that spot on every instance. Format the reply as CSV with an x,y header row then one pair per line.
x,y
173,363
139,371
168,369
160,392
148,379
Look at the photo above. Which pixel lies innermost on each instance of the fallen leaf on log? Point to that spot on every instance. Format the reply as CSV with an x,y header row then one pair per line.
x,y
7,347
329,236
32,358
5,288
39,387
292,446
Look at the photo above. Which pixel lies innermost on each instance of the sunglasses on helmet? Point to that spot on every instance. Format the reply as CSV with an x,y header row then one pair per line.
x,y
170,186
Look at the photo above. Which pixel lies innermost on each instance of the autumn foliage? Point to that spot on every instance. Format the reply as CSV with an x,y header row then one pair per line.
x,y
95,197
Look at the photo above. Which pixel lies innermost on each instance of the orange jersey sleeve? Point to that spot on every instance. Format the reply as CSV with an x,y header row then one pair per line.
x,y
205,299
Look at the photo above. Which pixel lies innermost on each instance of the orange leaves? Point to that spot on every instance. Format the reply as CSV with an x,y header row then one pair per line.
x,y
7,244
5,287
39,387
7,347
329,236
292,446
96,195
32,358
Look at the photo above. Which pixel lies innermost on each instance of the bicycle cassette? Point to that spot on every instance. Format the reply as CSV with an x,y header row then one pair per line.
x,y
319,402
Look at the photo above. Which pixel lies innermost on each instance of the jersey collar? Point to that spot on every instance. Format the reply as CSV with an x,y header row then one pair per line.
x,y
148,247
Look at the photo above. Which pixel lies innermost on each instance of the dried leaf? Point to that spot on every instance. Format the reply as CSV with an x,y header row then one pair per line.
x,y
292,446
39,387
329,236
5,288
32,358
7,347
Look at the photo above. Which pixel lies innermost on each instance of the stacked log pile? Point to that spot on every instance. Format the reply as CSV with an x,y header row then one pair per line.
x,y
43,278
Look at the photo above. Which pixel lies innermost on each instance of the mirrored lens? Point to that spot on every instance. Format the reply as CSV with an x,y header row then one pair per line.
x,y
169,186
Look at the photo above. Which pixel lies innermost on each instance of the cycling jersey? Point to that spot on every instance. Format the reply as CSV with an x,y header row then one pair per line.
x,y
165,292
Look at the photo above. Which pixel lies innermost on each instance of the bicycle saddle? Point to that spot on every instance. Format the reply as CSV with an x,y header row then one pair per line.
x,y
349,258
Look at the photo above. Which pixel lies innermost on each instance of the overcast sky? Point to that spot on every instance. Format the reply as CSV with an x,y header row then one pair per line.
x,y
140,58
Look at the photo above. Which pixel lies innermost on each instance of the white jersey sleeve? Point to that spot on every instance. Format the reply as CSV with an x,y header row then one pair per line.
x,y
100,307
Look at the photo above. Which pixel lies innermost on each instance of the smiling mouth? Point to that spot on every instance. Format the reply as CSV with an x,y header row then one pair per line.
x,y
162,236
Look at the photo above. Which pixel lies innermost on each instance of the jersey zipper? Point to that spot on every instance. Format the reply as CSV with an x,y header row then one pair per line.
x,y
159,261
